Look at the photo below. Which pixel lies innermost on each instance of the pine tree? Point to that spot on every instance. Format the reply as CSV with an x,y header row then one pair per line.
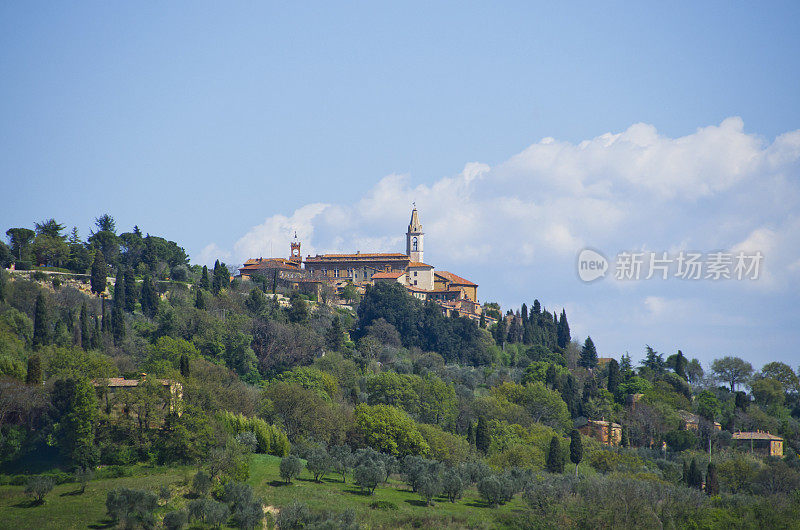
x,y
86,338
588,358
334,336
34,376
575,449
482,438
99,273
614,377
199,300
555,459
712,482
563,330
626,366
41,324
130,291
184,365
205,282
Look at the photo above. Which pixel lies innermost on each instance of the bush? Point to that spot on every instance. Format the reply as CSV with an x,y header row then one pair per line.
x,y
175,520
131,507
491,490
290,468
384,505
39,276
39,486
201,483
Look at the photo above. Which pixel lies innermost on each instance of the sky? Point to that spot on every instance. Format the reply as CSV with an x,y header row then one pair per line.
x,y
525,132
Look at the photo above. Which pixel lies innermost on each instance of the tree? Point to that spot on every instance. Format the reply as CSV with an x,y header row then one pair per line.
x,y
368,475
678,364
491,489
298,309
39,487
105,223
176,519
199,300
132,507
782,373
82,476
334,336
86,337
588,358
205,282
318,463
653,360
614,376
482,437
694,478
707,405
290,467
41,324
389,430
118,312
342,460
150,297
130,291
429,486
712,481
221,278
732,370
75,403
555,458
34,376
575,449
562,331
184,365
201,483
20,239
99,273
452,485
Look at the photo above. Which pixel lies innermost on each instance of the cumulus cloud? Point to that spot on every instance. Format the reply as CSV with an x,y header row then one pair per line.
x,y
619,191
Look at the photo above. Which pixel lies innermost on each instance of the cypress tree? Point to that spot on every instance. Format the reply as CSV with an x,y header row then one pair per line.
x,y
626,437
563,335
199,301
524,312
96,334
685,476
482,439
119,291
34,376
680,365
105,324
588,357
334,336
99,273
86,338
555,459
149,298
537,308
118,324
551,377
695,479
712,482
184,365
41,325
614,376
575,449
483,321
130,291
471,434
205,282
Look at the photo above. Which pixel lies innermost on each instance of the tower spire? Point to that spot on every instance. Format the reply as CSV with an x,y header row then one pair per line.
x,y
414,237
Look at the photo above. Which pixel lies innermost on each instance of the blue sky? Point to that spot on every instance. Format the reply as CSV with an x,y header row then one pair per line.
x,y
524,131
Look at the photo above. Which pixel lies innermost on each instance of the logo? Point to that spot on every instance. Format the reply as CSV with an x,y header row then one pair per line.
x,y
591,265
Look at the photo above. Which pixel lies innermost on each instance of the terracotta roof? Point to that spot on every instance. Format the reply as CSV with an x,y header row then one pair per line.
x,y
358,256
420,264
387,275
758,435
454,278
116,382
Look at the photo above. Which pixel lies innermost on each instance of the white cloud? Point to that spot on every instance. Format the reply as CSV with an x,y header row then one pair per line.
x,y
707,190
211,253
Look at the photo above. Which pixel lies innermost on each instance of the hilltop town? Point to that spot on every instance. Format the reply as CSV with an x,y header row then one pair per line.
x,y
454,294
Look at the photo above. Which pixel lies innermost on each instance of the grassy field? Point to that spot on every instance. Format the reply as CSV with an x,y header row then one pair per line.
x,y
66,508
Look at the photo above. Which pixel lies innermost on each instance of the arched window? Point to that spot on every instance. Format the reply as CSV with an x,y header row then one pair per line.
x,y
414,244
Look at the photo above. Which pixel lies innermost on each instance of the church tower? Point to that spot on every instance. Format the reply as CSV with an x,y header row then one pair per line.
x,y
414,238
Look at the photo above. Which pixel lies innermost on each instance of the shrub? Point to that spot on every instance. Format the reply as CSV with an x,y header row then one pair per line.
x,y
175,520
39,486
491,490
201,483
131,507
290,467
384,505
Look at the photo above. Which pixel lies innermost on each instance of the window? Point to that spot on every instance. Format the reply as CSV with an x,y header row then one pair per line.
x,y
335,273
415,273
414,244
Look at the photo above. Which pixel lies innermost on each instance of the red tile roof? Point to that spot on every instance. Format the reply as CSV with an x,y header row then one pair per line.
x,y
387,275
376,256
419,264
758,435
454,278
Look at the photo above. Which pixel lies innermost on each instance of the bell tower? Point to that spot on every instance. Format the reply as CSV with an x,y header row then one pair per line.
x,y
295,255
414,237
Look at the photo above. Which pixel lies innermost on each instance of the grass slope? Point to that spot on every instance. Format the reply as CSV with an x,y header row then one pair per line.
x,y
66,508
